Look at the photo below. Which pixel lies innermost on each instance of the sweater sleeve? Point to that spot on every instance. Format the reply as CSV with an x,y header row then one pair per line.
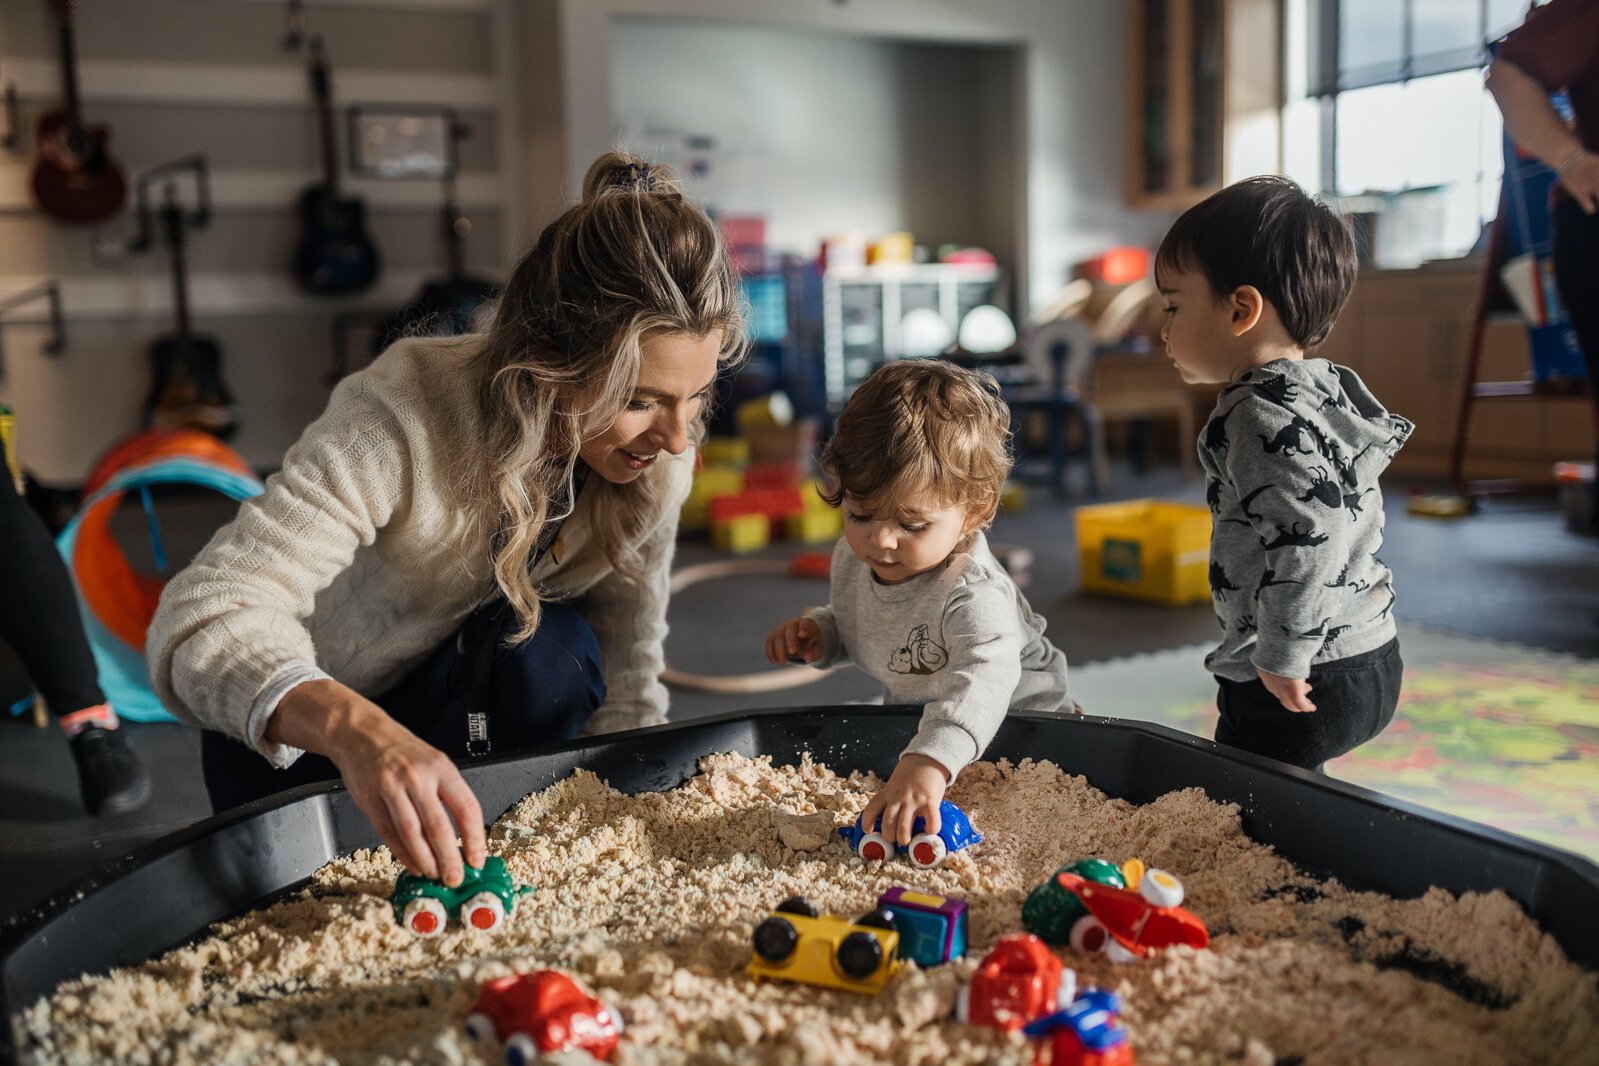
x,y
629,622
229,626
984,646
834,653
1279,473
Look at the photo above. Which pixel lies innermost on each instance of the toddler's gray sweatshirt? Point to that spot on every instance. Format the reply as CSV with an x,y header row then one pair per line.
x,y
1292,454
960,639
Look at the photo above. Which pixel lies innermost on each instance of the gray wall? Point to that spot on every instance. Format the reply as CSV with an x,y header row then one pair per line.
x,y
821,132
176,77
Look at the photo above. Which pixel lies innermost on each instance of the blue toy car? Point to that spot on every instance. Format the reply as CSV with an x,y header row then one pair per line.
x,y
1087,1033
925,850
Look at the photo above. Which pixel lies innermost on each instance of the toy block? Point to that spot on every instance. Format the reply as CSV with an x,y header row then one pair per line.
x,y
725,451
811,493
781,475
741,533
1013,498
932,929
773,504
815,527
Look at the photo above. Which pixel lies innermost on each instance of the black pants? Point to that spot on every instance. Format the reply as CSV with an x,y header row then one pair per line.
x,y
1576,261
38,608
1354,697
538,692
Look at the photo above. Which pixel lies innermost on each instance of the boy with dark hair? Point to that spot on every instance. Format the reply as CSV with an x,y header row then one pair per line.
x,y
1308,666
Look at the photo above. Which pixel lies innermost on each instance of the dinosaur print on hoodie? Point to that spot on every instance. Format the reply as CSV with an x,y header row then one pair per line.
x,y
1297,517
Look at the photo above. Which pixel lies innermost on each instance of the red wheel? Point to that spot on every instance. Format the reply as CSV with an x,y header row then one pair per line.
x,y
425,916
1088,935
928,850
484,912
874,847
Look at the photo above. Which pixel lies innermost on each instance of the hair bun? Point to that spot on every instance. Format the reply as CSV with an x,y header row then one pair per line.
x,y
622,172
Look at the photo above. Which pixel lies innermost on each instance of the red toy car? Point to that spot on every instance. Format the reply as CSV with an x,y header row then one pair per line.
x,y
1020,980
1139,922
544,1011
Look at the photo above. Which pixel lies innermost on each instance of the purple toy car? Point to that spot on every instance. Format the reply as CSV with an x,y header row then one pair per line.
x,y
925,849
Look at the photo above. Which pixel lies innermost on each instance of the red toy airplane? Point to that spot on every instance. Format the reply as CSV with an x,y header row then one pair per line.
x,y
1137,924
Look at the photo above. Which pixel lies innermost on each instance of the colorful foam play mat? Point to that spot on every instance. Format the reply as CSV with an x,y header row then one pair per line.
x,y
1499,733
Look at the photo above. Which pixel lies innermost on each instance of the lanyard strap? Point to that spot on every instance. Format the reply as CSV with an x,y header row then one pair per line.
x,y
480,637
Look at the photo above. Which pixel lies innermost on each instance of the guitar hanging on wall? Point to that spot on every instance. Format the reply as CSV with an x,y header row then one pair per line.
x,y
335,256
186,388
76,179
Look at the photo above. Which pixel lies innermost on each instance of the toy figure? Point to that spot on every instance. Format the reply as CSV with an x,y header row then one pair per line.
x,y
484,897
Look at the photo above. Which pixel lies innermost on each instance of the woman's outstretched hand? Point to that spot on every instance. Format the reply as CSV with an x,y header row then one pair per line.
x,y
409,789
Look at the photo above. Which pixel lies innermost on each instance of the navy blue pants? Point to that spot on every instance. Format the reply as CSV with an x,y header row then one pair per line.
x,y
538,692
1355,700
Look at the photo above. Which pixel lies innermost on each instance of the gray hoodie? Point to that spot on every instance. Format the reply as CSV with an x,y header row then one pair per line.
x,y
1292,454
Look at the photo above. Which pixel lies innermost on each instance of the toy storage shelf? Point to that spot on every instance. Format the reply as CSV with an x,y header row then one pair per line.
x,y
862,308
244,858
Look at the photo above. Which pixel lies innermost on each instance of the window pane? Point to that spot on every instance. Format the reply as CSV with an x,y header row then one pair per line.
x,y
1445,27
1504,16
1428,134
1371,38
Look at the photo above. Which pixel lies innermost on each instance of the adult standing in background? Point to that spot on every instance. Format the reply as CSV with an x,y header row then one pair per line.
x,y
470,548
1558,48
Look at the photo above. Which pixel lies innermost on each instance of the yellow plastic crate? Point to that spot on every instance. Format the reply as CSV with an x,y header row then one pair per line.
x,y
1146,550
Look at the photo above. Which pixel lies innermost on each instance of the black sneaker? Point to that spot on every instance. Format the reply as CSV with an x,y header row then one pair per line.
x,y
109,774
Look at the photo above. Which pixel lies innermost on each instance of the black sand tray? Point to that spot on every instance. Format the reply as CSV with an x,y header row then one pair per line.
x,y
171,891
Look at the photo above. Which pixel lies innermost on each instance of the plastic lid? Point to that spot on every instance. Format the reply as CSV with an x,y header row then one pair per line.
x,y
1573,472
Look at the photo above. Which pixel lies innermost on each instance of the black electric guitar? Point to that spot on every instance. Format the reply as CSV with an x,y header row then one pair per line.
x,y
76,178
335,255
187,388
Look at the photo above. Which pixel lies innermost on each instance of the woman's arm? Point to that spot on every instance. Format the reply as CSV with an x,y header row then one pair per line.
x,y
1535,125
408,788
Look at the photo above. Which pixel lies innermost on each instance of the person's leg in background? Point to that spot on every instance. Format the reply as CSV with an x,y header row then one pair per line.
x,y
539,692
1576,261
39,619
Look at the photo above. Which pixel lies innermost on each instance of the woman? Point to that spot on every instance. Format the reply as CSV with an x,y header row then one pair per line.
x,y
1558,48
472,529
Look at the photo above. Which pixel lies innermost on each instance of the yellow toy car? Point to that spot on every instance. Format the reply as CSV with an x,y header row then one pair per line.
x,y
796,943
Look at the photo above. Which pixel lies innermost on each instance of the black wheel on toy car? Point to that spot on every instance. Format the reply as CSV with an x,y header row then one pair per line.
x,y
775,939
859,955
881,918
798,905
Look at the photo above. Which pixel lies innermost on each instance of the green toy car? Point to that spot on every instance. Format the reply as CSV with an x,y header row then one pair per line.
x,y
1057,917
482,899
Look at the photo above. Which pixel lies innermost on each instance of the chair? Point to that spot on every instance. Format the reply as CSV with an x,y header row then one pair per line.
x,y
1058,356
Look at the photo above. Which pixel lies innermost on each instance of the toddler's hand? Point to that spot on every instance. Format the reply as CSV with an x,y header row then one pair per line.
x,y
915,788
796,639
1292,692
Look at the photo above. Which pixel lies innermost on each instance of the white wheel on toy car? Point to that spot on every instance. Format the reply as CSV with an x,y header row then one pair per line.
x,y
874,847
1089,935
1119,954
927,850
481,1026
963,1003
1066,991
1160,888
425,917
520,1050
483,913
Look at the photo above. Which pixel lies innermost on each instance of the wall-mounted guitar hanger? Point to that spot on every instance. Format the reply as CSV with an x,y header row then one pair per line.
x,y
49,290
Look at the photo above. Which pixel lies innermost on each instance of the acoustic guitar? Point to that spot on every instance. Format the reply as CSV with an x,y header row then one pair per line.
x,y
186,389
335,255
76,179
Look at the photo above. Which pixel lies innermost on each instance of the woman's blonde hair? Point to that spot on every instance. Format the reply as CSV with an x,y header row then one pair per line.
x,y
922,427
559,363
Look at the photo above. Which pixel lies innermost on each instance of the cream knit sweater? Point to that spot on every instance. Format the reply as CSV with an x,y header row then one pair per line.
x,y
357,561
